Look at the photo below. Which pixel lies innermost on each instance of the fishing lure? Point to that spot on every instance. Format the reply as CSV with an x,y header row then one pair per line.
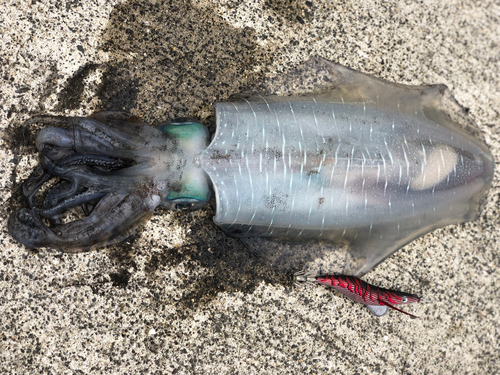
x,y
376,299
349,168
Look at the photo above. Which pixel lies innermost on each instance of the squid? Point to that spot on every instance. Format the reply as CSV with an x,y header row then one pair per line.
x,y
340,166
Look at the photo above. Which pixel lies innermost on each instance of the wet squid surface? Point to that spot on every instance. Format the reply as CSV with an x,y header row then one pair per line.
x,y
347,172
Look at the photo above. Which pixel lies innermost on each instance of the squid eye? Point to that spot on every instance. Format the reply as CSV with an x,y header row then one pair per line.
x,y
404,299
183,206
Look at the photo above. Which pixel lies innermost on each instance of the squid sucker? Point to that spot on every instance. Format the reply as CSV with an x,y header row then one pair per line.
x,y
351,170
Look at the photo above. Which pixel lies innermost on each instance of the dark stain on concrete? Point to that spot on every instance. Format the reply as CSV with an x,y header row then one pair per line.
x,y
174,60
230,266
70,96
292,12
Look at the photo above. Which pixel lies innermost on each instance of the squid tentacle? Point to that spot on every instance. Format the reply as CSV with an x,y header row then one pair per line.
x,y
88,136
34,182
61,191
85,175
113,219
92,161
58,210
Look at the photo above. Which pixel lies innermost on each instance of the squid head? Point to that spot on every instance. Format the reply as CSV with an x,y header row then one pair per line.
x,y
100,177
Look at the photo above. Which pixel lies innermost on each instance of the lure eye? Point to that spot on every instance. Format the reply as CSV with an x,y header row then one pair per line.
x,y
404,299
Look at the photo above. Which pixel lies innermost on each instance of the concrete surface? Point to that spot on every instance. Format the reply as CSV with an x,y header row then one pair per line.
x,y
180,297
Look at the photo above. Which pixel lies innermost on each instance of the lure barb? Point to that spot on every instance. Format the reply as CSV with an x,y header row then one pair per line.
x,y
378,300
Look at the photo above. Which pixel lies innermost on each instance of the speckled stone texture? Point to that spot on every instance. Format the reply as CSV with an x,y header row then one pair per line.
x,y
181,297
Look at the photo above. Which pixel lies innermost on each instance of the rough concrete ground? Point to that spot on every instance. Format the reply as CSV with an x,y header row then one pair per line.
x,y
180,297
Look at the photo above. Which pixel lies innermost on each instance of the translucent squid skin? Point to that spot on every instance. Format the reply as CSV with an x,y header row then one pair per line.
x,y
364,165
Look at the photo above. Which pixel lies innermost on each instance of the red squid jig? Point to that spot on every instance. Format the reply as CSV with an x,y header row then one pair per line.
x,y
376,299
